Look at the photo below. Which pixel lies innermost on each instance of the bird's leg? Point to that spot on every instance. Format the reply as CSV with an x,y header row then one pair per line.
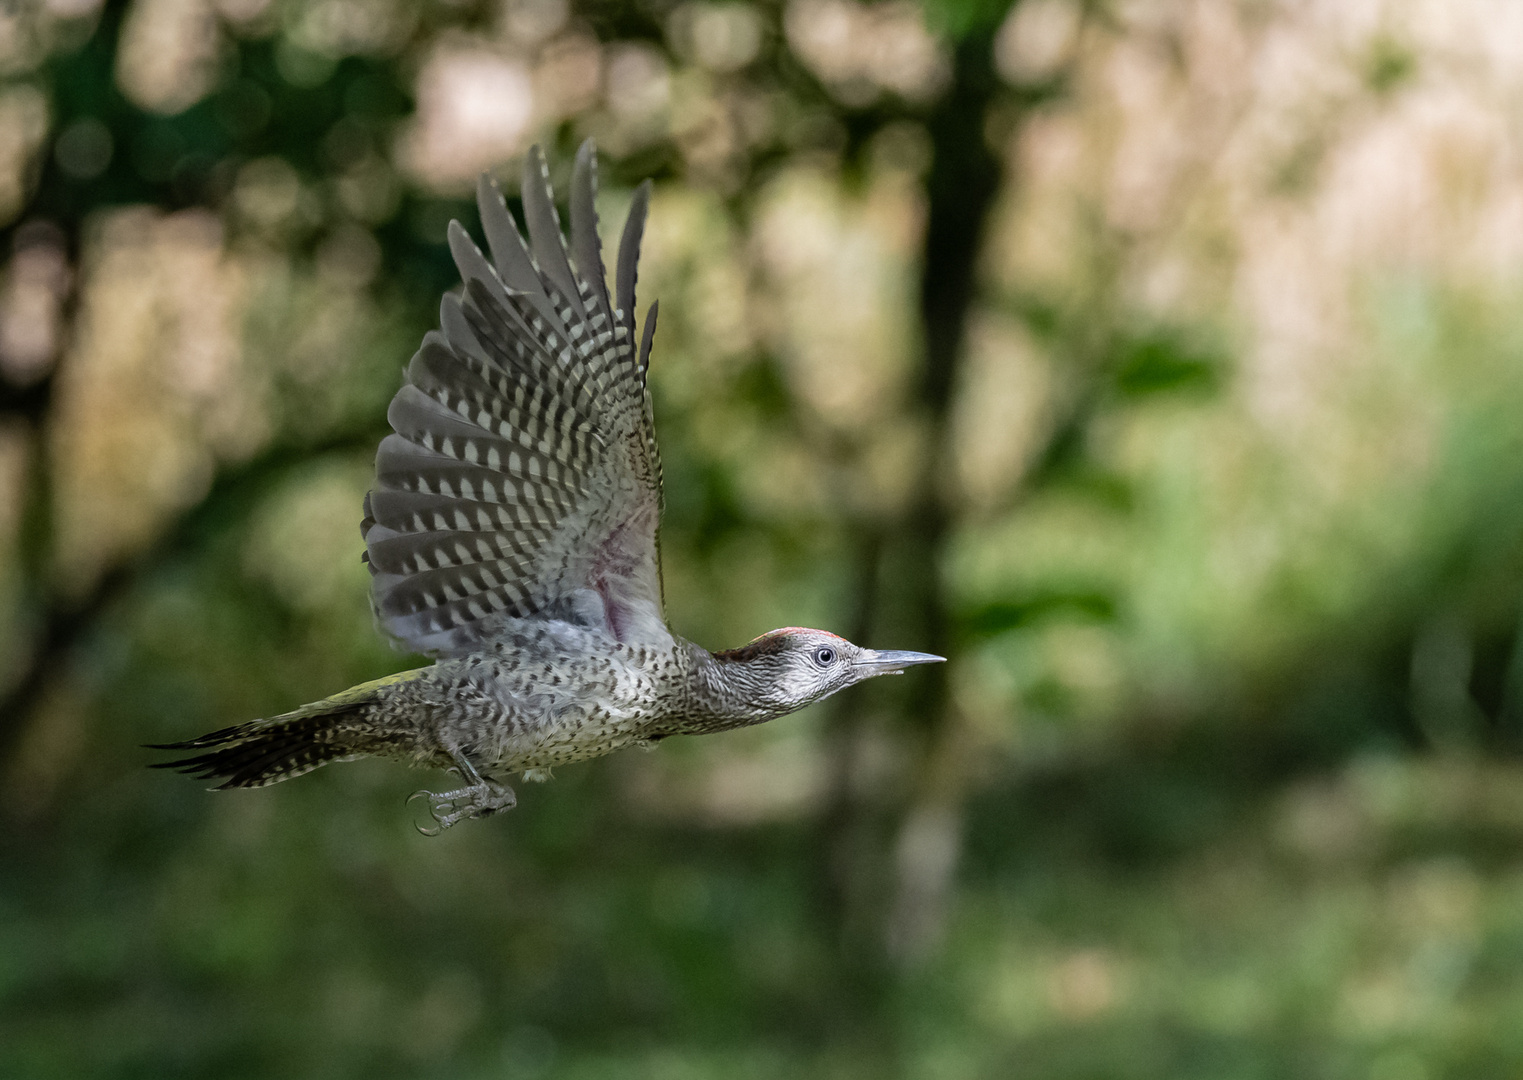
x,y
482,796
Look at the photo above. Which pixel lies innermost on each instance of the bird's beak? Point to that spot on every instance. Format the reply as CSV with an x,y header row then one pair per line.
x,y
891,662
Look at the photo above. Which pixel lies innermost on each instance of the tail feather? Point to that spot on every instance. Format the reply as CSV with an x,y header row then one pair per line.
x,y
266,752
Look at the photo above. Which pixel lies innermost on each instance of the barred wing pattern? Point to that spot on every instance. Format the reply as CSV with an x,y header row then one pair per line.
x,y
523,479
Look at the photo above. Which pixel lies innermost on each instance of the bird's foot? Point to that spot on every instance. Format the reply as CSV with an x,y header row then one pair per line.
x,y
476,801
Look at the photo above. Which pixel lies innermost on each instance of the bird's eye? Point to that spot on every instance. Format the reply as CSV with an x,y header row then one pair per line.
x,y
824,656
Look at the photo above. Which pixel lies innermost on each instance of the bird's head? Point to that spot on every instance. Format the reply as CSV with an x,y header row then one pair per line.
x,y
786,669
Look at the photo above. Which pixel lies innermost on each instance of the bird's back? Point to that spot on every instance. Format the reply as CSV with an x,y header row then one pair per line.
x,y
548,692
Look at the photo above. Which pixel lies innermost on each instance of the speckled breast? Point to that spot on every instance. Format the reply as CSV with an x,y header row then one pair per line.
x,y
572,694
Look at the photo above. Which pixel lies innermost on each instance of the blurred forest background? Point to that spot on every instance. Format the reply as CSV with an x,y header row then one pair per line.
x,y
1155,360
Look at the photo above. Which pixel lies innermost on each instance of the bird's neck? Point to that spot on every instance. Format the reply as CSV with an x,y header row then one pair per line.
x,y
720,695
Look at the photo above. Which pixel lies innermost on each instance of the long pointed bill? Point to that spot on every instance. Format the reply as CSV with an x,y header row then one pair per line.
x,y
891,662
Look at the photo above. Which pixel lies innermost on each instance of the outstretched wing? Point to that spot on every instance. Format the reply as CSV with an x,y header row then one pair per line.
x,y
523,479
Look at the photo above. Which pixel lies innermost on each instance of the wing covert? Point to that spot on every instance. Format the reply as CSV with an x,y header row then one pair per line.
x,y
523,478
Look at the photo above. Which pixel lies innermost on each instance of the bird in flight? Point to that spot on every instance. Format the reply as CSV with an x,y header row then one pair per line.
x,y
512,535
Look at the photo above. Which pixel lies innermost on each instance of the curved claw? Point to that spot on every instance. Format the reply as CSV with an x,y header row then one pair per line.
x,y
450,807
421,792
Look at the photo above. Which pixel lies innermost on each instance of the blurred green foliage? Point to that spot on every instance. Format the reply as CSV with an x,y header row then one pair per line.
x,y
1223,781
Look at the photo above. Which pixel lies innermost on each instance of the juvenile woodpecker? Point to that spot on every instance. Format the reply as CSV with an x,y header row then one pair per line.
x,y
512,536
